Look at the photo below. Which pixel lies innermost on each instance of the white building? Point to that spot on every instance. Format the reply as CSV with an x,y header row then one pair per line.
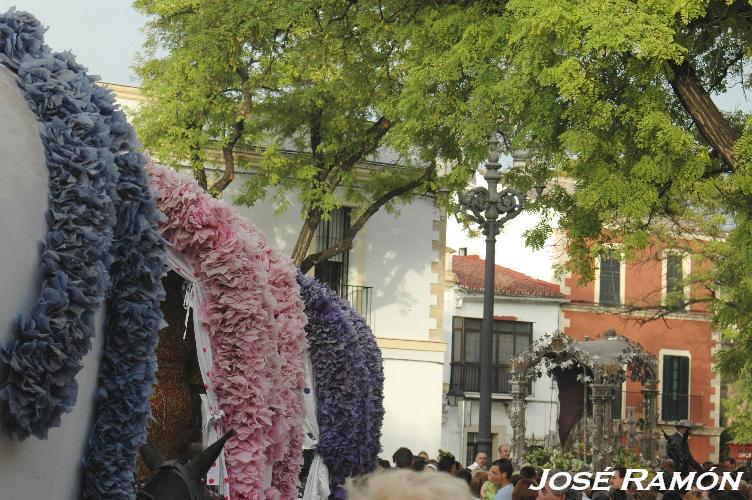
x,y
394,276
525,309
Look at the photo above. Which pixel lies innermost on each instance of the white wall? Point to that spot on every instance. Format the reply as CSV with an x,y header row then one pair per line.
x,y
542,404
392,254
413,393
398,266
33,468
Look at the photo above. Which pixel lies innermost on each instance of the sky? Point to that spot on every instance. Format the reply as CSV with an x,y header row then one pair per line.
x,y
105,36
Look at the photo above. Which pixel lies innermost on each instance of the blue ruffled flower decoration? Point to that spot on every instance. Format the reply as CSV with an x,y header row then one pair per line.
x,y
40,385
127,371
102,240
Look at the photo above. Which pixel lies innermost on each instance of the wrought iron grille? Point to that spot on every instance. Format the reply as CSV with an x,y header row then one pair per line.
x,y
334,271
360,298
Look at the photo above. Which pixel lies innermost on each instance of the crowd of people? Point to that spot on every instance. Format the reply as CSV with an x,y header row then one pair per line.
x,y
420,477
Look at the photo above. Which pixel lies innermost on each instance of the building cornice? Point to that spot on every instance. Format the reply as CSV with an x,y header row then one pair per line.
x,y
471,296
645,313
127,92
411,344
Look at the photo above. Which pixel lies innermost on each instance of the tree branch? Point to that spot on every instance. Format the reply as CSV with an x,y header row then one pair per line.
x,y
652,313
713,85
347,240
227,154
375,133
712,125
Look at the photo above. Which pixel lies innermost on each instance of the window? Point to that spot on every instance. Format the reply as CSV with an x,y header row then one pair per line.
x,y
675,382
333,272
674,274
610,279
510,338
462,252
675,269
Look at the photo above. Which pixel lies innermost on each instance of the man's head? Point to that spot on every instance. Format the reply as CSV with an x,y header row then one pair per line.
x,y
504,450
618,478
446,463
550,491
403,458
730,463
481,458
424,455
500,472
685,427
418,464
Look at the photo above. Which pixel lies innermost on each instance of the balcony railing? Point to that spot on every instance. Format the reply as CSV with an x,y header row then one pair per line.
x,y
468,376
360,298
672,407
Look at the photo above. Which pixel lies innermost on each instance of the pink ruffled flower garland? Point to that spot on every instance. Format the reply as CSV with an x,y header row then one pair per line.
x,y
256,320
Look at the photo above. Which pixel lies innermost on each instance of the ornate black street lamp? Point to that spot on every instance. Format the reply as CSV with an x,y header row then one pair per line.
x,y
490,209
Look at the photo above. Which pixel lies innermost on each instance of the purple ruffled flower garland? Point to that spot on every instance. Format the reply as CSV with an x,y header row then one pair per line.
x,y
374,407
102,215
349,380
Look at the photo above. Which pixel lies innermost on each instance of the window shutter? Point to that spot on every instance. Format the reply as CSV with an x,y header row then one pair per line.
x,y
683,369
675,398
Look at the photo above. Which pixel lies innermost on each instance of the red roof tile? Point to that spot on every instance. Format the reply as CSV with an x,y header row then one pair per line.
x,y
470,271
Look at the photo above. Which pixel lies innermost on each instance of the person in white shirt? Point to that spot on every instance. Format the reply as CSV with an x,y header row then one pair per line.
x,y
480,462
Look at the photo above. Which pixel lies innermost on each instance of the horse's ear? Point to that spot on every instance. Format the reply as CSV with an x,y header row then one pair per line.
x,y
152,456
203,462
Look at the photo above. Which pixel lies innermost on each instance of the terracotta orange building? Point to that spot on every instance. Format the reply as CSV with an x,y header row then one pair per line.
x,y
623,296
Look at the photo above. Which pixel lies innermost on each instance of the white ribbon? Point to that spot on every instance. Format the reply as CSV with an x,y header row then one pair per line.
x,y
317,483
188,299
211,413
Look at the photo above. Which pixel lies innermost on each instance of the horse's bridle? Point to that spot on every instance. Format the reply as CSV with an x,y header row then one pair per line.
x,y
181,471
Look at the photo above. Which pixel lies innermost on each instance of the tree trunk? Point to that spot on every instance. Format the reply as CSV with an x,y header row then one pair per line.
x,y
305,237
229,159
200,175
713,126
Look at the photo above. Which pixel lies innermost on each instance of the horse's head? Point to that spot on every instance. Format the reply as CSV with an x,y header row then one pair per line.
x,y
175,480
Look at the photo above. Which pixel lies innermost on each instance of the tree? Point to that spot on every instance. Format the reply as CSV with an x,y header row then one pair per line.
x,y
617,95
320,85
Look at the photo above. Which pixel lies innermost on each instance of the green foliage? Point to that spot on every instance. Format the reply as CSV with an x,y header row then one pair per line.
x,y
588,85
444,453
317,88
557,459
625,457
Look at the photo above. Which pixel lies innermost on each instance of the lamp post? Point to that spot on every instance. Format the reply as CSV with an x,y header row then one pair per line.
x,y
490,209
